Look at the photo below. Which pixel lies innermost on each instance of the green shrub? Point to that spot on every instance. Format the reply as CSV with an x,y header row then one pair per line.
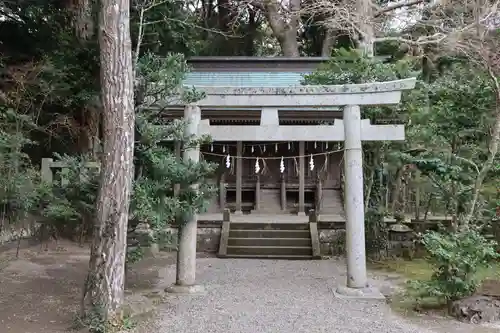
x,y
457,258
70,207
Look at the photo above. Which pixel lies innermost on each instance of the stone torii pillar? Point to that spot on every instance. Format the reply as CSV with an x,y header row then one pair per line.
x,y
352,129
353,199
187,232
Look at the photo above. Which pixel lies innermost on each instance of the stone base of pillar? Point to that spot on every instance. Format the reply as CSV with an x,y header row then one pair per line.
x,y
368,293
301,214
238,212
186,290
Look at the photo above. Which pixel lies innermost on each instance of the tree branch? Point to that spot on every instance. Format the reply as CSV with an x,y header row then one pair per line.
x,y
391,8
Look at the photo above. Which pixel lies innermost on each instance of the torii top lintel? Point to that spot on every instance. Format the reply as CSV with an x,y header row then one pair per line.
x,y
376,93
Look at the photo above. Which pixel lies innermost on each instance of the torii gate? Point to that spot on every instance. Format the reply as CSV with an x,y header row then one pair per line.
x,y
351,129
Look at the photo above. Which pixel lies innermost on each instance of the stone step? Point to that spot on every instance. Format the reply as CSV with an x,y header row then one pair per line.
x,y
270,250
286,242
269,226
273,233
268,256
270,201
332,202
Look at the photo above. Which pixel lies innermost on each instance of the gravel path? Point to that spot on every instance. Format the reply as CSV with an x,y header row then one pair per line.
x,y
267,296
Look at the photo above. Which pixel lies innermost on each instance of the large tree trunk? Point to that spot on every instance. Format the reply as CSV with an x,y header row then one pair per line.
x,y
285,29
82,18
366,38
328,42
106,277
82,14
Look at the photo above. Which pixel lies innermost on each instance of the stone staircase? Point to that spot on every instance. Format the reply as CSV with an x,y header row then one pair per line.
x,y
279,240
332,202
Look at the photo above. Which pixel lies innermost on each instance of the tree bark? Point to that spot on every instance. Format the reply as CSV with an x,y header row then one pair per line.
x,y
285,30
366,40
106,277
82,18
493,148
371,175
396,190
83,21
328,42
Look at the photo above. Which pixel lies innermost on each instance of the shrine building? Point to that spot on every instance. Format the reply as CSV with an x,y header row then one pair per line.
x,y
282,176
289,155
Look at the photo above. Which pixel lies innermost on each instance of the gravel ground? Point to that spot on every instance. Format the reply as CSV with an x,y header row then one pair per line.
x,y
267,296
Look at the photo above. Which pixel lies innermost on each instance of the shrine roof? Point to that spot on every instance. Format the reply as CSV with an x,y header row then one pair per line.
x,y
250,71
244,79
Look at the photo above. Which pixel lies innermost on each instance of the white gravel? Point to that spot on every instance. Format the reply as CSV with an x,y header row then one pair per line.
x,y
268,296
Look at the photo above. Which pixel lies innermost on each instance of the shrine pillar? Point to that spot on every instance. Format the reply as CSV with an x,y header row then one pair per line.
x,y
239,175
319,195
257,193
354,203
222,191
302,167
283,192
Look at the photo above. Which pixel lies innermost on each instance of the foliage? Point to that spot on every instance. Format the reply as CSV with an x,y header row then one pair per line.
x,y
457,257
376,230
157,167
451,132
376,233
153,203
48,74
70,207
21,186
448,121
93,322
167,26
447,124
460,103
52,76
350,67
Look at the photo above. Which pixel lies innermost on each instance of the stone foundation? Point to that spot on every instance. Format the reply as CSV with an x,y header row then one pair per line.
x,y
208,237
331,237
332,241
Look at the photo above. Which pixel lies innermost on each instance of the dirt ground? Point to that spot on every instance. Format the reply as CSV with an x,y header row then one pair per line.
x,y
40,291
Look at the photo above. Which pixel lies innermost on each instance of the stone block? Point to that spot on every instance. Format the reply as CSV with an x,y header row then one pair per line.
x,y
207,238
368,293
332,242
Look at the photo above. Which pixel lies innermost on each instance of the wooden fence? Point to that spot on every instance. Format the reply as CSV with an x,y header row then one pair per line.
x,y
48,164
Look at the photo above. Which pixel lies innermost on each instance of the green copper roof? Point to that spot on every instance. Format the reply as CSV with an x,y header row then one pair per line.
x,y
244,79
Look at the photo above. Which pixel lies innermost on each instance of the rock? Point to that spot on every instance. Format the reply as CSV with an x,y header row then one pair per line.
x,y
490,287
400,228
476,309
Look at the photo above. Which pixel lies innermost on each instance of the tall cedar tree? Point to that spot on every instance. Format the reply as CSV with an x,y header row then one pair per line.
x,y
106,278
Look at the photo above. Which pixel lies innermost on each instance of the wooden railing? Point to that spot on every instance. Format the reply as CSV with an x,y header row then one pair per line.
x,y
48,164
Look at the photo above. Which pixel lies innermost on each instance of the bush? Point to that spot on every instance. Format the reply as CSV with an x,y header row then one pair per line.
x,y
153,205
21,186
457,258
376,234
69,208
